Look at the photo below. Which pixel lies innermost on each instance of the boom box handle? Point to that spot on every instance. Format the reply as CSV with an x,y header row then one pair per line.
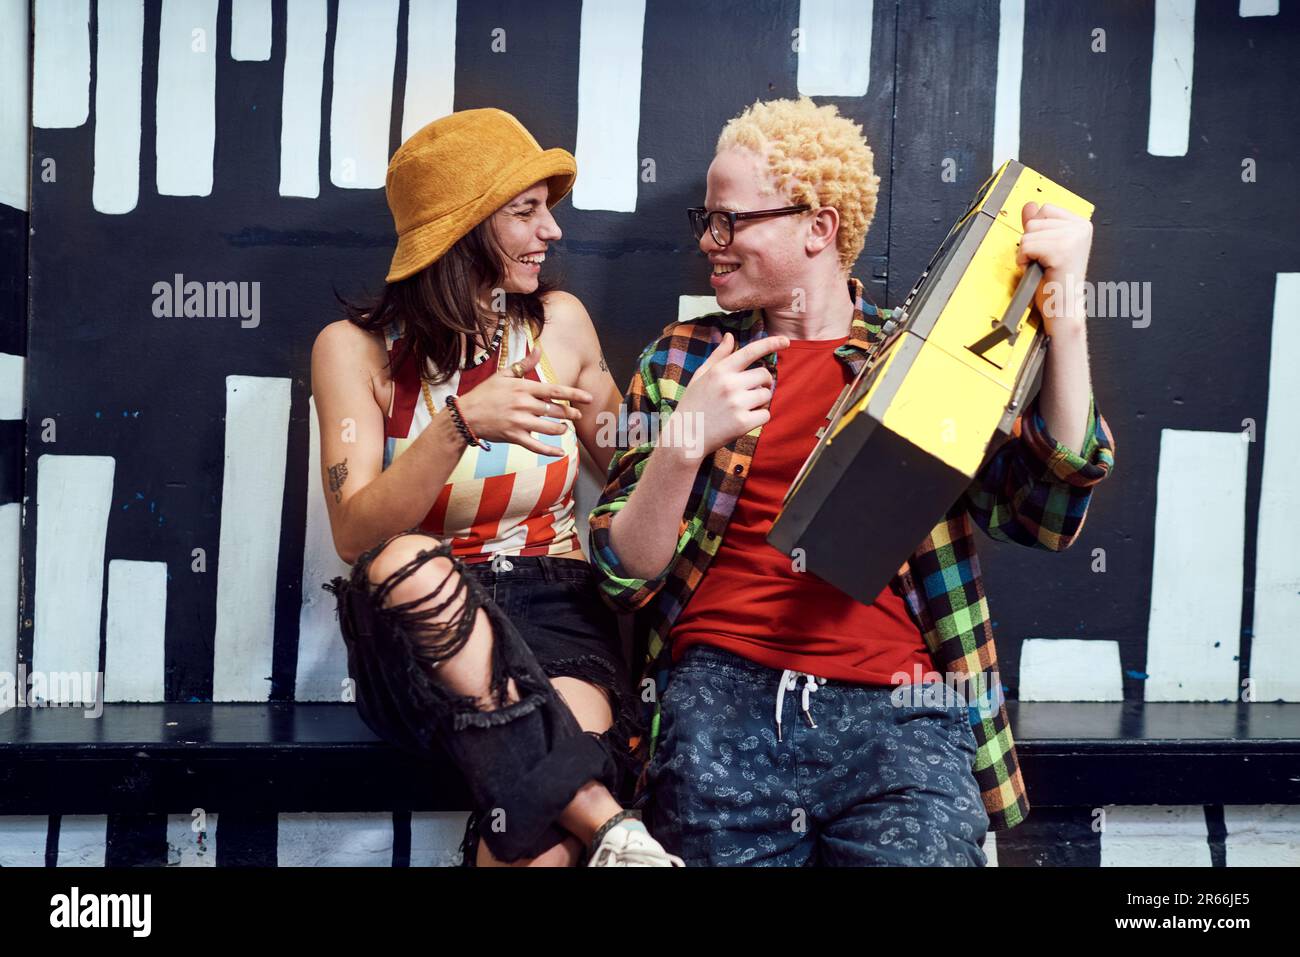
x,y
1009,326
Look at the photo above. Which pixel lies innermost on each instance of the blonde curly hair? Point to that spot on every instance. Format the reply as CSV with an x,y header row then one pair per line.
x,y
817,157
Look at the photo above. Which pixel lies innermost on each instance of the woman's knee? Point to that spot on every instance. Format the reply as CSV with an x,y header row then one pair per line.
x,y
423,593
395,571
452,633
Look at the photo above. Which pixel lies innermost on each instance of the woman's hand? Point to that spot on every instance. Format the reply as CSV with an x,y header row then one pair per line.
x,y
507,408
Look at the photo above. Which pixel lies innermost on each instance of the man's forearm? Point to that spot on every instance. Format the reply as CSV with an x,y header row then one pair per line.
x,y
1066,385
644,532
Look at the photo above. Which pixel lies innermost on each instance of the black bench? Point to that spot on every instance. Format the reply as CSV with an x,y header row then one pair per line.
x,y
171,758
288,757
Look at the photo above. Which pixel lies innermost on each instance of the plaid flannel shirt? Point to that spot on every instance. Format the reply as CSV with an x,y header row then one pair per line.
x,y
1033,491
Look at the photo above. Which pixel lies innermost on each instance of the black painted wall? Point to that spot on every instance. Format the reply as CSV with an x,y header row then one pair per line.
x,y
1209,244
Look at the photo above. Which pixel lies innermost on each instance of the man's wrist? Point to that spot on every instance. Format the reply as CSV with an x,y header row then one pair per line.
x,y
668,451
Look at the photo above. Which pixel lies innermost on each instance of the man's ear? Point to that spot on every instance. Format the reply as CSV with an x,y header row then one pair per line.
x,y
825,227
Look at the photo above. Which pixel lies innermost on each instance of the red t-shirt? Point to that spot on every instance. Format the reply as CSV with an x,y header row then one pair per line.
x,y
752,601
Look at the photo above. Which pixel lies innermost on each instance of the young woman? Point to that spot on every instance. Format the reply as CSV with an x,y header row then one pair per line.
x,y
450,412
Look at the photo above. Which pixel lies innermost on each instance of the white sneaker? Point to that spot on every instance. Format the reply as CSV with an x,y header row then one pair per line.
x,y
624,846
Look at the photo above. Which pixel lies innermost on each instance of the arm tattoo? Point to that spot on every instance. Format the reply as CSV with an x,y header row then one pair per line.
x,y
603,367
338,475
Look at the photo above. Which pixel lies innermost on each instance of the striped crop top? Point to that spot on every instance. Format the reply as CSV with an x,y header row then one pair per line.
x,y
508,501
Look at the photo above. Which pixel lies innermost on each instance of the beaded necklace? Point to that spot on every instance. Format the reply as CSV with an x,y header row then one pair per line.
x,y
501,364
496,341
501,361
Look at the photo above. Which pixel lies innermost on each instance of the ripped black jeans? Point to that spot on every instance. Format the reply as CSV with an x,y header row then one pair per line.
x,y
523,761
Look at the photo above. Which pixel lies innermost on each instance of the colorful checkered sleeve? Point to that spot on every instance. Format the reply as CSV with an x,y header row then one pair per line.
x,y
1034,490
621,590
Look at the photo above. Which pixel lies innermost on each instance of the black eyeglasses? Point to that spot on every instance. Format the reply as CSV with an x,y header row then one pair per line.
x,y
721,223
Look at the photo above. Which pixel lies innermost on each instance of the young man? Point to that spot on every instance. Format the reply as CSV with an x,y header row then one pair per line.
x,y
853,773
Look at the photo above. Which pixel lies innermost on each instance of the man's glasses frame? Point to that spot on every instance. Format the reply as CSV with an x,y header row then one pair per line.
x,y
721,223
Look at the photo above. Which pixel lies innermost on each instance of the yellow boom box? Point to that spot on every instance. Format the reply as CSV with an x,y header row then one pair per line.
x,y
955,366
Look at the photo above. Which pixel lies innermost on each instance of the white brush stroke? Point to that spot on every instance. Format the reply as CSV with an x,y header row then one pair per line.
x,y
365,48
10,550
1276,622
430,63
322,656
1155,836
304,66
1257,8
1173,48
250,30
118,69
74,496
183,845
186,101
135,632
1070,669
1007,90
252,494
15,132
335,840
692,307
83,840
1261,835
61,64
1194,631
11,385
609,105
22,839
436,837
835,58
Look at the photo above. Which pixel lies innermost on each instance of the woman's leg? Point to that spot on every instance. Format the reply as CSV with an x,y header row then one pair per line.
x,y
431,594
590,705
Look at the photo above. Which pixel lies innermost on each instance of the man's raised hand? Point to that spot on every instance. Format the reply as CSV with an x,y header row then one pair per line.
x,y
726,398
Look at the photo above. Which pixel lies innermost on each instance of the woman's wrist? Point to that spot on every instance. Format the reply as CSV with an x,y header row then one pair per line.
x,y
462,425
444,435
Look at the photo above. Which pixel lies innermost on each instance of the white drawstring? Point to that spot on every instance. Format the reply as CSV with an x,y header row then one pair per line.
x,y
789,682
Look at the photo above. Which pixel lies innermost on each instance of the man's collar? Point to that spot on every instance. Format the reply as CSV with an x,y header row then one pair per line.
x,y
864,329
867,320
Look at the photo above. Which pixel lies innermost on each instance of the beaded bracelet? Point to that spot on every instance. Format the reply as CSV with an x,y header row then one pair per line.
x,y
466,432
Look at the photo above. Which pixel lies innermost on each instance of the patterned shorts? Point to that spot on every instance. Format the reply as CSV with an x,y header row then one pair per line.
x,y
873,783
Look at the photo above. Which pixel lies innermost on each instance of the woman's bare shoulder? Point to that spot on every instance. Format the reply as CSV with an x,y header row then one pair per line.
x,y
345,339
569,317
559,301
343,349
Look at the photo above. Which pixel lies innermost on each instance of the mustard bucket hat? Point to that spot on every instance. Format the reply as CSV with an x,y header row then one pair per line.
x,y
458,170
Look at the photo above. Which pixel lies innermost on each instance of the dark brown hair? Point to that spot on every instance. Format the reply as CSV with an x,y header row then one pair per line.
x,y
440,302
